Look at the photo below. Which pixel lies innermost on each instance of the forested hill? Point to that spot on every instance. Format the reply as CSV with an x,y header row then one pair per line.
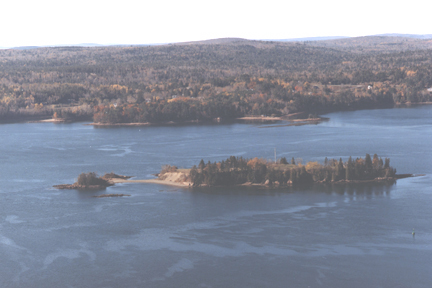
x,y
225,78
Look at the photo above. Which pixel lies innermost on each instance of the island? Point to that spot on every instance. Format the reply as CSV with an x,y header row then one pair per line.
x,y
91,181
259,172
235,171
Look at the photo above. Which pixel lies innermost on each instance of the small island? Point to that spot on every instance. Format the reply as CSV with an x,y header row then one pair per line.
x,y
91,181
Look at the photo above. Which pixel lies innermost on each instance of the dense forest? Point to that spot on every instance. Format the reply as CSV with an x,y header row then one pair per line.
x,y
201,81
237,171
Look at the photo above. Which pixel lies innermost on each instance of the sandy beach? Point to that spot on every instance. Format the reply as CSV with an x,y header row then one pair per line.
x,y
154,181
52,120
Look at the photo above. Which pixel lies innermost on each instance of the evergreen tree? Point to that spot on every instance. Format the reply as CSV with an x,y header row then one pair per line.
x,y
292,161
340,169
348,169
258,172
368,165
327,176
387,163
222,166
193,173
201,165
375,162
357,170
293,176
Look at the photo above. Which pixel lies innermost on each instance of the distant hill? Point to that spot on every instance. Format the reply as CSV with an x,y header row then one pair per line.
x,y
24,47
376,44
417,36
217,41
326,38
327,41
309,39
53,46
89,44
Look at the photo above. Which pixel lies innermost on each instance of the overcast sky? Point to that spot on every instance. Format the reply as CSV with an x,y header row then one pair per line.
x,y
48,22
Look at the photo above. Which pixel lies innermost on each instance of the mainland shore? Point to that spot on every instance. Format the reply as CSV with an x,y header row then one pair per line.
x,y
291,118
293,122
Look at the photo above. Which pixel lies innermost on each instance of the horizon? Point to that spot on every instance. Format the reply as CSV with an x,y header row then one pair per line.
x,y
47,23
317,38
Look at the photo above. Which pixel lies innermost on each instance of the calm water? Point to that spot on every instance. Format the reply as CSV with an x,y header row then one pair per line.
x,y
357,236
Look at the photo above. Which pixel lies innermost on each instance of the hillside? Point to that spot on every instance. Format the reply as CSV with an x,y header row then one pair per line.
x,y
377,44
226,78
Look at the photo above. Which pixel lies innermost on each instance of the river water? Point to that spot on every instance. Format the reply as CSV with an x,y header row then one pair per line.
x,y
160,236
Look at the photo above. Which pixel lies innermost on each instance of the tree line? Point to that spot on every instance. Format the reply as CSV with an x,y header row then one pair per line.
x,y
238,170
197,81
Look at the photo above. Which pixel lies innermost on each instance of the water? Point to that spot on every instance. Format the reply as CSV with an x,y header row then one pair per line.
x,y
357,236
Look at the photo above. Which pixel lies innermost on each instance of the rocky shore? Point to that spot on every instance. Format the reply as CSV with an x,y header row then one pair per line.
x,y
90,181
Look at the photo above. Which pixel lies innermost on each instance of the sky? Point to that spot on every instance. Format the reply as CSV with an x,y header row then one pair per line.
x,y
48,22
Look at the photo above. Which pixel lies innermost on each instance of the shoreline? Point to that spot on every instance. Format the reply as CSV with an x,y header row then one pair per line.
x,y
119,124
262,185
103,182
51,120
182,179
409,104
262,118
217,120
96,124
236,120
153,181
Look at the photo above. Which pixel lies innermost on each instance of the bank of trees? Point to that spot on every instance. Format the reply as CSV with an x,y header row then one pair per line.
x,y
213,80
238,170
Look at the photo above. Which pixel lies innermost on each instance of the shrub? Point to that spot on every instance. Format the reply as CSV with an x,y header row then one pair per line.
x,y
168,168
89,179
